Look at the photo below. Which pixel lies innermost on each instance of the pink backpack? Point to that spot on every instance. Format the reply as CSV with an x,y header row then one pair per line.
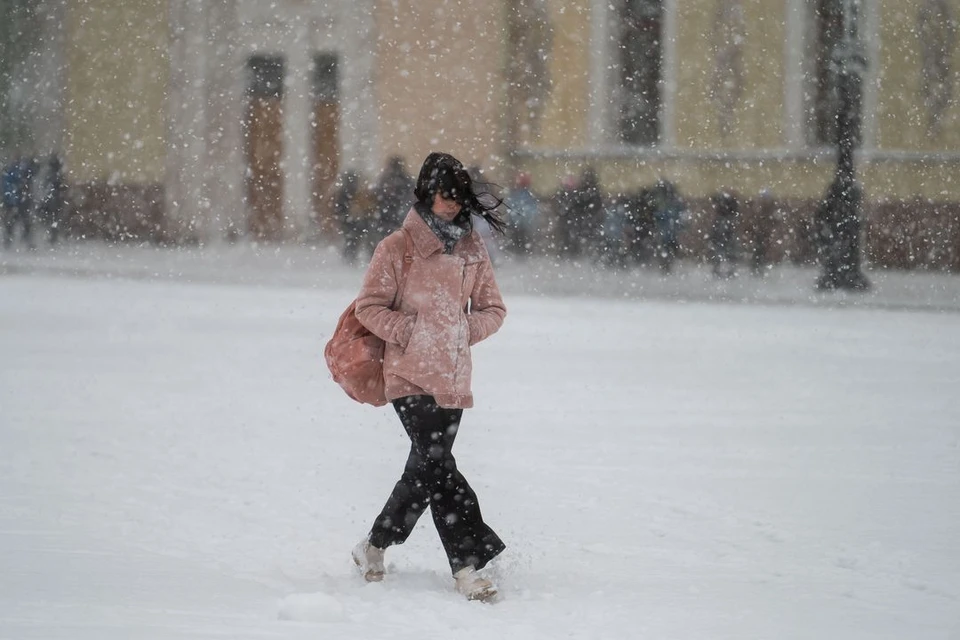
x,y
354,355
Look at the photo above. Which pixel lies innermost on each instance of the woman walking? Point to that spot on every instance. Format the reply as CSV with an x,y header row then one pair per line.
x,y
429,312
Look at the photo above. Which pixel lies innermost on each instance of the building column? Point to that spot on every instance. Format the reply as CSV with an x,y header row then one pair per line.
x,y
187,203
794,62
359,133
668,111
296,139
48,124
601,53
225,94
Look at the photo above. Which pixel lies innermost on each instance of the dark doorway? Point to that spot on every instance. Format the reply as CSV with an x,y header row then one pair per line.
x,y
263,136
325,130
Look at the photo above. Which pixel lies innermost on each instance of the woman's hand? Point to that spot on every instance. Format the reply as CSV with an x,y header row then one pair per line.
x,y
407,331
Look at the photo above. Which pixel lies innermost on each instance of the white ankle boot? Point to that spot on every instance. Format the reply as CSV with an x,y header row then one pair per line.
x,y
370,560
474,586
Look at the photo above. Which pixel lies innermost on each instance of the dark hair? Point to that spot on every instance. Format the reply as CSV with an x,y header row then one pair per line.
x,y
442,173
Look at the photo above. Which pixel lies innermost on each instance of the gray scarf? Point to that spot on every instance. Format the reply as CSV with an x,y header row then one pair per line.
x,y
449,233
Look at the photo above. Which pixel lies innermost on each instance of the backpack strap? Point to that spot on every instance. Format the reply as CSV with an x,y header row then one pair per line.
x,y
405,269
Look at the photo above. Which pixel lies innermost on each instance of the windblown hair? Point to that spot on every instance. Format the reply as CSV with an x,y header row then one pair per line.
x,y
442,173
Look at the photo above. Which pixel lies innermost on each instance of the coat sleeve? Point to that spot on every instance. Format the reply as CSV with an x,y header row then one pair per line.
x,y
377,294
487,310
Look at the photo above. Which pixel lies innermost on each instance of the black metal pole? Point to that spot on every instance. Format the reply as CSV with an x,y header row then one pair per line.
x,y
840,213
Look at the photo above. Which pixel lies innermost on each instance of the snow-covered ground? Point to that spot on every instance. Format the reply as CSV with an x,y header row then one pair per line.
x,y
176,463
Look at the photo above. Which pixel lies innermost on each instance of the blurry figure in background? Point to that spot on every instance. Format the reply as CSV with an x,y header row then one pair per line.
x,y
524,215
52,197
486,233
18,200
587,216
723,234
394,193
481,187
761,232
638,230
354,205
613,247
668,216
563,204
10,195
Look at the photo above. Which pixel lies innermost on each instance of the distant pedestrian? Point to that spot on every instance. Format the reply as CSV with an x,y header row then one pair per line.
x,y
639,227
668,216
52,197
10,181
765,215
354,205
564,243
723,234
493,243
524,215
393,193
613,245
18,200
587,216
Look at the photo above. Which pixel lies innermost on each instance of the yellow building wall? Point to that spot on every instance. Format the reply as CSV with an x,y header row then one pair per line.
x,y
901,180
759,111
439,80
117,75
759,115
901,119
788,178
694,122
566,112
760,125
696,177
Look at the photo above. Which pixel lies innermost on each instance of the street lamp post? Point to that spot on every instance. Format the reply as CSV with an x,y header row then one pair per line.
x,y
839,214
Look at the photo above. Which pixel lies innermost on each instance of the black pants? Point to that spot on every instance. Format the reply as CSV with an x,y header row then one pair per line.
x,y
430,478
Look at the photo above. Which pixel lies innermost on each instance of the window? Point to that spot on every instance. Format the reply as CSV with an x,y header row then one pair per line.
x,y
530,38
266,77
640,49
325,135
263,134
325,85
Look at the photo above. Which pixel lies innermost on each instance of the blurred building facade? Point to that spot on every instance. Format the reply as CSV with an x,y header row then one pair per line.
x,y
741,94
208,120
